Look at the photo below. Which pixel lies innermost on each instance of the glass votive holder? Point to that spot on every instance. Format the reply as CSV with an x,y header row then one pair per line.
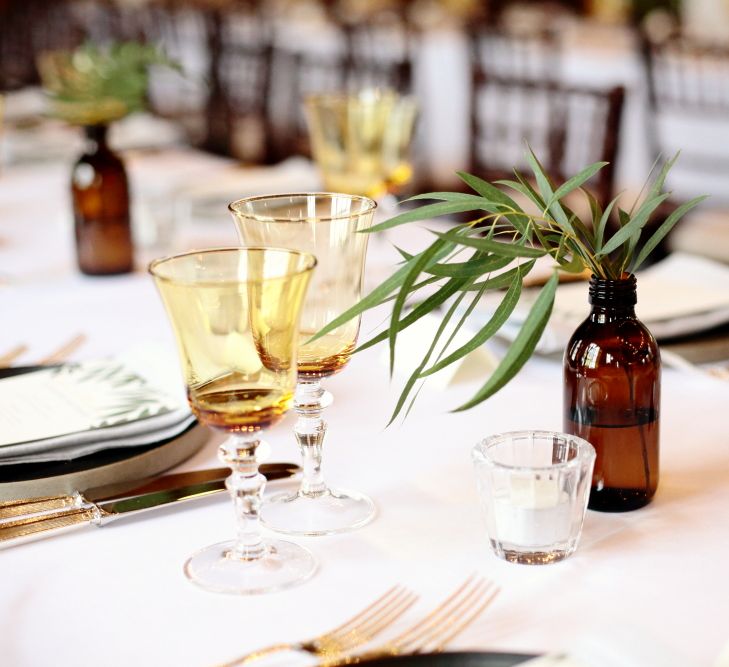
x,y
534,487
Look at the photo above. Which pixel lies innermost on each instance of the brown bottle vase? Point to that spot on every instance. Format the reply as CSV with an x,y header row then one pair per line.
x,y
612,387
100,194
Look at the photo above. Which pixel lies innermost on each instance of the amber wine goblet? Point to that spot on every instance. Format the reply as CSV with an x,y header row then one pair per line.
x,y
361,141
235,313
328,226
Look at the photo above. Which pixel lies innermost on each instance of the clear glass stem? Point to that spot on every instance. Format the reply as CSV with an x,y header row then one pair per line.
x,y
245,485
309,402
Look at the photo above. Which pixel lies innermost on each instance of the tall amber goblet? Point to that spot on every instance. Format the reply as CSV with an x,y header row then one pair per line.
x,y
235,313
327,226
361,141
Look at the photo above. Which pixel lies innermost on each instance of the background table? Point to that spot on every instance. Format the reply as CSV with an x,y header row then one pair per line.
x,y
645,588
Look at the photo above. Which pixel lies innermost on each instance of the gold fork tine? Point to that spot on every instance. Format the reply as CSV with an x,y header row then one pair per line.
x,y
377,624
11,355
442,614
344,627
64,351
437,628
468,621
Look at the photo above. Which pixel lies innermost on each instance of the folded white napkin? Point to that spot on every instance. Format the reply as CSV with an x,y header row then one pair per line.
x,y
77,409
64,448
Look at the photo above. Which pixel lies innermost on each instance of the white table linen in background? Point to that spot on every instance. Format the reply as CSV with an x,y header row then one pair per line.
x,y
644,588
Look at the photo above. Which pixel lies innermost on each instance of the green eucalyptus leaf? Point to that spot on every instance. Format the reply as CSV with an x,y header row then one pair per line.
x,y
545,187
600,231
487,245
415,375
632,226
428,212
575,182
595,208
574,265
497,320
582,230
415,267
427,306
623,217
447,196
524,187
474,267
403,253
523,346
665,227
504,279
661,178
495,195
377,295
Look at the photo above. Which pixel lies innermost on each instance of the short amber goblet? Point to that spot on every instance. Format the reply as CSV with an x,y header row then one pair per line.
x,y
235,313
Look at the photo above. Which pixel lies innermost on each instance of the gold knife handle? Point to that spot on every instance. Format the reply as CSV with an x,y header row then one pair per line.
x,y
26,506
25,529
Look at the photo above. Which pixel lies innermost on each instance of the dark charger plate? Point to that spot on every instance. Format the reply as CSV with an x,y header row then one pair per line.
x,y
25,480
476,659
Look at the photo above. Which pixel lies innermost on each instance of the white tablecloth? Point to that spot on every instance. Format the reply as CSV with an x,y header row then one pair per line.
x,y
645,588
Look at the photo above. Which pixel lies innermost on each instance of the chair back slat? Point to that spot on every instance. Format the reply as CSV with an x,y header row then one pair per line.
x,y
567,127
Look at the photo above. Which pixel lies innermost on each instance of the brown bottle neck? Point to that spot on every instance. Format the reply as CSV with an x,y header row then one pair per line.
x,y
96,136
613,298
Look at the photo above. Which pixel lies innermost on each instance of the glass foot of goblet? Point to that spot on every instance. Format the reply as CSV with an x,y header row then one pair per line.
x,y
216,568
330,512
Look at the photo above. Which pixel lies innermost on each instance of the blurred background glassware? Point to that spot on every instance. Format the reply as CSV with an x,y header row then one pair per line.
x,y
235,313
328,226
534,487
361,141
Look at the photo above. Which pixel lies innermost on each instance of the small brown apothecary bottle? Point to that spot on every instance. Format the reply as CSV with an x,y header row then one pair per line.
x,y
100,192
612,390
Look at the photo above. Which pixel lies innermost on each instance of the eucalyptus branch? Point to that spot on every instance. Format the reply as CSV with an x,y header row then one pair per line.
x,y
504,243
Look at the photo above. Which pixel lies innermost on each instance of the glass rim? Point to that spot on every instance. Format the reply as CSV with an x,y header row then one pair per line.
x,y
480,451
152,268
234,207
341,95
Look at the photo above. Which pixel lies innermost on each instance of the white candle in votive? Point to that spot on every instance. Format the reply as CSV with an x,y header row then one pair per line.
x,y
532,512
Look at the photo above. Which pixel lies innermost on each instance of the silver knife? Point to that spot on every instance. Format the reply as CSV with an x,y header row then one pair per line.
x,y
24,520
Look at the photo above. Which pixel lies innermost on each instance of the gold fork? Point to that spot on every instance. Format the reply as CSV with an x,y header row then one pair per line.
x,y
64,351
357,631
433,632
54,357
11,355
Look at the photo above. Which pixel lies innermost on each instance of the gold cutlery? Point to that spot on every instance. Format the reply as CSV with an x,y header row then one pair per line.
x,y
11,355
433,632
26,519
55,357
357,631
65,351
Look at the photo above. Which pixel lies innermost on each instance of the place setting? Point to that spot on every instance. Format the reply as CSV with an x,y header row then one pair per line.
x,y
337,334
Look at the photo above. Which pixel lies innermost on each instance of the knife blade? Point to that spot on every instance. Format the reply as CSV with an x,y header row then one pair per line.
x,y
23,520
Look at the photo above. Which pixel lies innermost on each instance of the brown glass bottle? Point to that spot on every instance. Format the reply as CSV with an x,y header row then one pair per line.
x,y
612,384
101,208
